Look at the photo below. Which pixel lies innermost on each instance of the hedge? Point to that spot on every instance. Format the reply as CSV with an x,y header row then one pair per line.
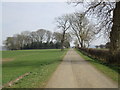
x,y
102,55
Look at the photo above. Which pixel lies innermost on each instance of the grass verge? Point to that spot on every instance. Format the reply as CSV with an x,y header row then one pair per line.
x,y
42,63
113,74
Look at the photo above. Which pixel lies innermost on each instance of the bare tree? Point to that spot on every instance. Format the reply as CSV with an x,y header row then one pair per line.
x,y
40,35
34,36
108,15
76,42
57,36
26,36
48,36
75,21
68,37
82,28
102,10
63,24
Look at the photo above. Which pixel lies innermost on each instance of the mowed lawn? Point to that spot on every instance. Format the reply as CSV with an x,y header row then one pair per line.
x,y
42,63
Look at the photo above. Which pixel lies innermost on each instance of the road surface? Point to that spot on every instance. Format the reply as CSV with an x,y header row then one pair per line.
x,y
75,72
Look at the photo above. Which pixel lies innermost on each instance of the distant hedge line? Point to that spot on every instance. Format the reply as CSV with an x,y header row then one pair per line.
x,y
102,55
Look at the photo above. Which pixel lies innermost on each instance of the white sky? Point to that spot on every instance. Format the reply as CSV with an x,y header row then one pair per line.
x,y
30,16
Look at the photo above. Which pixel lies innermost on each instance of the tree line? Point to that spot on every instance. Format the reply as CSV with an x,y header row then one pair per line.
x,y
40,39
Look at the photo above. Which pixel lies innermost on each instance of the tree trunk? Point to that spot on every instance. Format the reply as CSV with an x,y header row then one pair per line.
x,y
62,41
82,45
78,39
115,32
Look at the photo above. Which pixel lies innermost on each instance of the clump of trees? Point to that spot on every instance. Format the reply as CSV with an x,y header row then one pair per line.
x,y
79,26
82,28
108,22
40,39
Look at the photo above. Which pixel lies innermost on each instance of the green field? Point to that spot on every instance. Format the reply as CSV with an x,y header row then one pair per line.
x,y
42,63
113,74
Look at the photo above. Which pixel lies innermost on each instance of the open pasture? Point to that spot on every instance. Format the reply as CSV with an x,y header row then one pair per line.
x,y
41,63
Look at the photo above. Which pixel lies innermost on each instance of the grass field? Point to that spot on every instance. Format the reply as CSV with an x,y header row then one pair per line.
x,y
42,63
103,68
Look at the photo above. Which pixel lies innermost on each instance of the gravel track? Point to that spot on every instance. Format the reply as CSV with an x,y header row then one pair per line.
x,y
75,72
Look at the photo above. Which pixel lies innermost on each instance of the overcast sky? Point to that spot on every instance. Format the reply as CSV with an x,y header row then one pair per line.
x,y
31,16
